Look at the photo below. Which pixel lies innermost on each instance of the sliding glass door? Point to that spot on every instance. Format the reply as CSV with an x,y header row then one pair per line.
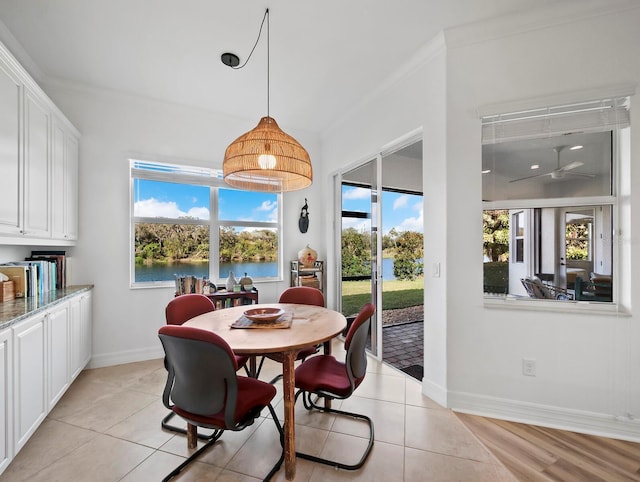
x,y
359,244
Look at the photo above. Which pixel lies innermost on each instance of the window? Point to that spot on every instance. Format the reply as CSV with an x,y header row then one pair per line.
x,y
518,235
550,190
187,222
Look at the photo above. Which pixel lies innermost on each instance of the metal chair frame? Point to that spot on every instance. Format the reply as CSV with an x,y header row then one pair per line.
x,y
355,366
202,379
198,304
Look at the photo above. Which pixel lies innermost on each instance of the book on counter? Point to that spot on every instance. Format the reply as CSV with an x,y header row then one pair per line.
x,y
39,273
60,260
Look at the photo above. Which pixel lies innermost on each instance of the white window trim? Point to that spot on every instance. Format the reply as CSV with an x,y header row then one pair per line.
x,y
197,176
616,119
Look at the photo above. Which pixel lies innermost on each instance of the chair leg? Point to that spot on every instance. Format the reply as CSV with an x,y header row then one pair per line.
x,y
197,453
278,464
311,405
173,428
259,369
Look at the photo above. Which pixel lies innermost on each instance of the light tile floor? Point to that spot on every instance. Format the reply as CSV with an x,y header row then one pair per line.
x,y
107,428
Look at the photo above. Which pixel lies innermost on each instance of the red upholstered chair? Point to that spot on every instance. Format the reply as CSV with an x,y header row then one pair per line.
x,y
183,308
303,295
327,377
204,389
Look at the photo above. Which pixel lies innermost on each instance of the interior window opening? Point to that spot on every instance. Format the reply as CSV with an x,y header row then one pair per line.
x,y
550,201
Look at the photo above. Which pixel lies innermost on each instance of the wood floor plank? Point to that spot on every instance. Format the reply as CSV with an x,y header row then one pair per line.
x,y
521,470
535,453
531,455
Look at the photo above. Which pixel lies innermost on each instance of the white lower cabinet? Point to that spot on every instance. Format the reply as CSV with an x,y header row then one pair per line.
x,y
80,322
39,358
75,337
6,398
29,397
58,350
86,312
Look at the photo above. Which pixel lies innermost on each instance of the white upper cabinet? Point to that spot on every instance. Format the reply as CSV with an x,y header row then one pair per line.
x,y
10,172
36,168
64,195
38,163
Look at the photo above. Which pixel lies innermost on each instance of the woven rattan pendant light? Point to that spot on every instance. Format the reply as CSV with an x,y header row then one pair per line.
x,y
265,158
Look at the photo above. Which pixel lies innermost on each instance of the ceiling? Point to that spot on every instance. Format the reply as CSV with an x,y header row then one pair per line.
x,y
528,168
325,56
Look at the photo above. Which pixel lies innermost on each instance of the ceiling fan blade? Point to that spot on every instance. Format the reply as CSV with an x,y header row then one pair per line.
x,y
575,174
531,177
572,165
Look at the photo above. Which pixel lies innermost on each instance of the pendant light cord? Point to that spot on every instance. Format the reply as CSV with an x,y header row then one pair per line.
x,y
265,17
268,59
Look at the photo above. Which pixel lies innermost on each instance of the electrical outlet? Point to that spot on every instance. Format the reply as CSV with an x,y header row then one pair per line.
x,y
529,367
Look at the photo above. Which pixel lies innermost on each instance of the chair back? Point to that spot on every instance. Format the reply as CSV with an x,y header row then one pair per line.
x,y
202,376
185,307
355,344
303,295
535,288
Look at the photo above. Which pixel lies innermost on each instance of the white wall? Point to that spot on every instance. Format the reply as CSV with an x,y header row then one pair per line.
x,y
584,360
415,100
115,128
587,362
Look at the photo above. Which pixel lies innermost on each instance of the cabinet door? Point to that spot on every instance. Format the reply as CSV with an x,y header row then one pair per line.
x,y
86,311
58,330
80,330
64,184
58,175
29,361
36,168
6,399
75,337
71,188
10,172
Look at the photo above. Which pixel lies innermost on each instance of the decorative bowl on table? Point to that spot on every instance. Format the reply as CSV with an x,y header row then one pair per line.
x,y
264,315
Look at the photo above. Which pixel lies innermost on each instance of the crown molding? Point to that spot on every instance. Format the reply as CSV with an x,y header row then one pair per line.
x,y
20,54
520,22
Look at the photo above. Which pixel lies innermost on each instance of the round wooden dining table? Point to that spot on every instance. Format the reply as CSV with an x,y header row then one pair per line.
x,y
310,325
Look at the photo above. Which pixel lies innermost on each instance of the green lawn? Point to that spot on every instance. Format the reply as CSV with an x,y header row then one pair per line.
x,y
395,294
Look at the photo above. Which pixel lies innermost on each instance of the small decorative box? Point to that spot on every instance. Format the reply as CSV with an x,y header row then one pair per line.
x,y
6,291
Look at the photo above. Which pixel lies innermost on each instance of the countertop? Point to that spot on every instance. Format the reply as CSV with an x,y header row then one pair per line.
x,y
13,311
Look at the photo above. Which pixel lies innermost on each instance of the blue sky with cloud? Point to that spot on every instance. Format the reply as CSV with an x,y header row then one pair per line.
x,y
172,200
400,211
165,199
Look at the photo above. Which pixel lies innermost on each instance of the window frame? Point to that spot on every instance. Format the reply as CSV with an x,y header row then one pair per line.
x,y
212,178
612,201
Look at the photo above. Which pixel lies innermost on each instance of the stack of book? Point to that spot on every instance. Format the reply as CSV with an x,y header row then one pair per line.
x,y
39,273
191,284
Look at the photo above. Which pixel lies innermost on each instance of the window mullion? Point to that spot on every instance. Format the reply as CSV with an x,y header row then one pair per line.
x,y
214,237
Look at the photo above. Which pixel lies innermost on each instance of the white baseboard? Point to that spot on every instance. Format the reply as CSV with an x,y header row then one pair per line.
x,y
593,423
435,392
128,356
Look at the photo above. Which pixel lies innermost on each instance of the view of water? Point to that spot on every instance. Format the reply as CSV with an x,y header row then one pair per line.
x,y
165,272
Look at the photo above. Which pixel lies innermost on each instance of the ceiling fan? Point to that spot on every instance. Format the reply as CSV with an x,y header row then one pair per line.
x,y
560,172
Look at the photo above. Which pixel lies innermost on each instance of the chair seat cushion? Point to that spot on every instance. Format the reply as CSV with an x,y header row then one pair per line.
x,y
323,373
253,395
